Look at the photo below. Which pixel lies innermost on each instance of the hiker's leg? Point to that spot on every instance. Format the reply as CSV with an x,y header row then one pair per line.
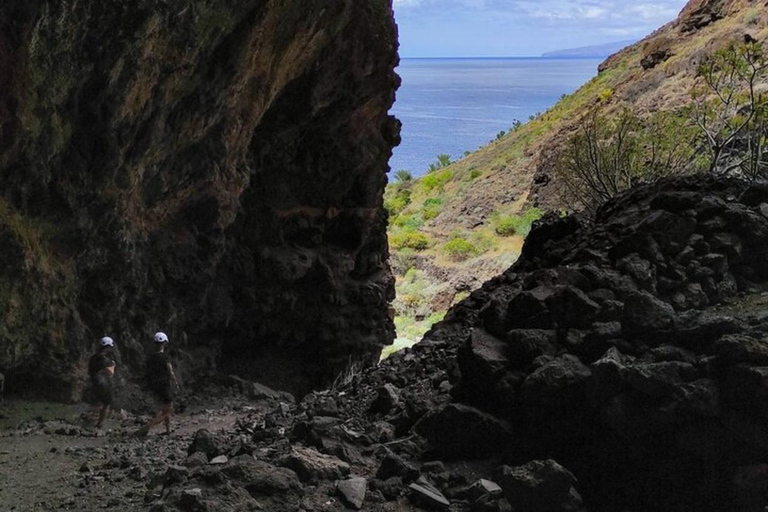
x,y
167,413
102,415
155,421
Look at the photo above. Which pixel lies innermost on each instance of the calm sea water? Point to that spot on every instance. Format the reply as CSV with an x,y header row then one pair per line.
x,y
455,105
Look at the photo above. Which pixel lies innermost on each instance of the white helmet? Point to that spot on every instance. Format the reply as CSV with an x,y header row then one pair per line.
x,y
106,341
161,337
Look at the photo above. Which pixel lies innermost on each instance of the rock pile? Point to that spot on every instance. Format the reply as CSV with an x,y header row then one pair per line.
x,y
633,349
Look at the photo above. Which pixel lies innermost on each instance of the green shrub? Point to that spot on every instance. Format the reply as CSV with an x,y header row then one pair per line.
x,y
431,208
476,173
408,239
436,180
408,221
510,225
604,95
442,162
403,176
403,261
397,201
460,249
506,225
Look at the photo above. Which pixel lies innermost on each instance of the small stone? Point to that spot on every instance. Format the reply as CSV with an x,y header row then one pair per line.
x,y
387,399
353,491
205,442
175,475
197,459
483,487
217,461
393,465
426,495
138,473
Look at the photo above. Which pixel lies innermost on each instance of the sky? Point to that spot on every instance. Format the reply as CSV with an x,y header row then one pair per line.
x,y
511,28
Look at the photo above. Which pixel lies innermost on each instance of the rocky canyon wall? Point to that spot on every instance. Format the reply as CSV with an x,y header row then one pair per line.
x,y
211,168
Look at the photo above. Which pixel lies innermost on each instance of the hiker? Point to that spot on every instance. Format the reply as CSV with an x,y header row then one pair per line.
x,y
162,382
101,369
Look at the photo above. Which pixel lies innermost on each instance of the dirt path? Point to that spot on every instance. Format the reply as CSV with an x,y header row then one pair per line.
x,y
51,463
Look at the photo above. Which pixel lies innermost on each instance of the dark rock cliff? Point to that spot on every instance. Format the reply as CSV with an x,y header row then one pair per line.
x,y
210,168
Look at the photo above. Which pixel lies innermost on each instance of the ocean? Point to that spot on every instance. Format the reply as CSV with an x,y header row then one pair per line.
x,y
449,106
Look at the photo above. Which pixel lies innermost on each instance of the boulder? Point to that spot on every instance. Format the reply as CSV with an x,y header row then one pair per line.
x,y
525,345
659,379
570,307
261,477
529,309
483,356
644,313
539,486
312,466
548,383
607,377
457,430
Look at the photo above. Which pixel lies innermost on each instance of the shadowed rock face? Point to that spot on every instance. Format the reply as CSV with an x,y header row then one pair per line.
x,y
211,168
633,350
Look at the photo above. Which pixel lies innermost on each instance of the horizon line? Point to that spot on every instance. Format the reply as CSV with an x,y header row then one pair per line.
x,y
548,57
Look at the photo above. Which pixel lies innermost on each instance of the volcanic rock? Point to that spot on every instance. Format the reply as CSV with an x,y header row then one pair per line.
x,y
426,495
353,491
311,466
457,430
228,189
656,401
539,486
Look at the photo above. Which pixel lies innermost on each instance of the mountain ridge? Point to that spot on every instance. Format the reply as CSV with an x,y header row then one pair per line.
x,y
604,50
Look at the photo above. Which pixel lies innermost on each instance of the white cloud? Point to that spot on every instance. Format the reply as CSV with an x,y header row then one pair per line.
x,y
515,27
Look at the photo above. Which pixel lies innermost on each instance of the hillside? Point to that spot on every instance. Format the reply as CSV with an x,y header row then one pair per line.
x,y
512,177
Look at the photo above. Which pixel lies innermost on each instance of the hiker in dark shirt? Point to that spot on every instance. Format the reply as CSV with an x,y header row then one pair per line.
x,y
101,369
161,381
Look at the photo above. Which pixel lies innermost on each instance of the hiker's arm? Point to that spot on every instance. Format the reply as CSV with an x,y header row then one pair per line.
x,y
173,375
